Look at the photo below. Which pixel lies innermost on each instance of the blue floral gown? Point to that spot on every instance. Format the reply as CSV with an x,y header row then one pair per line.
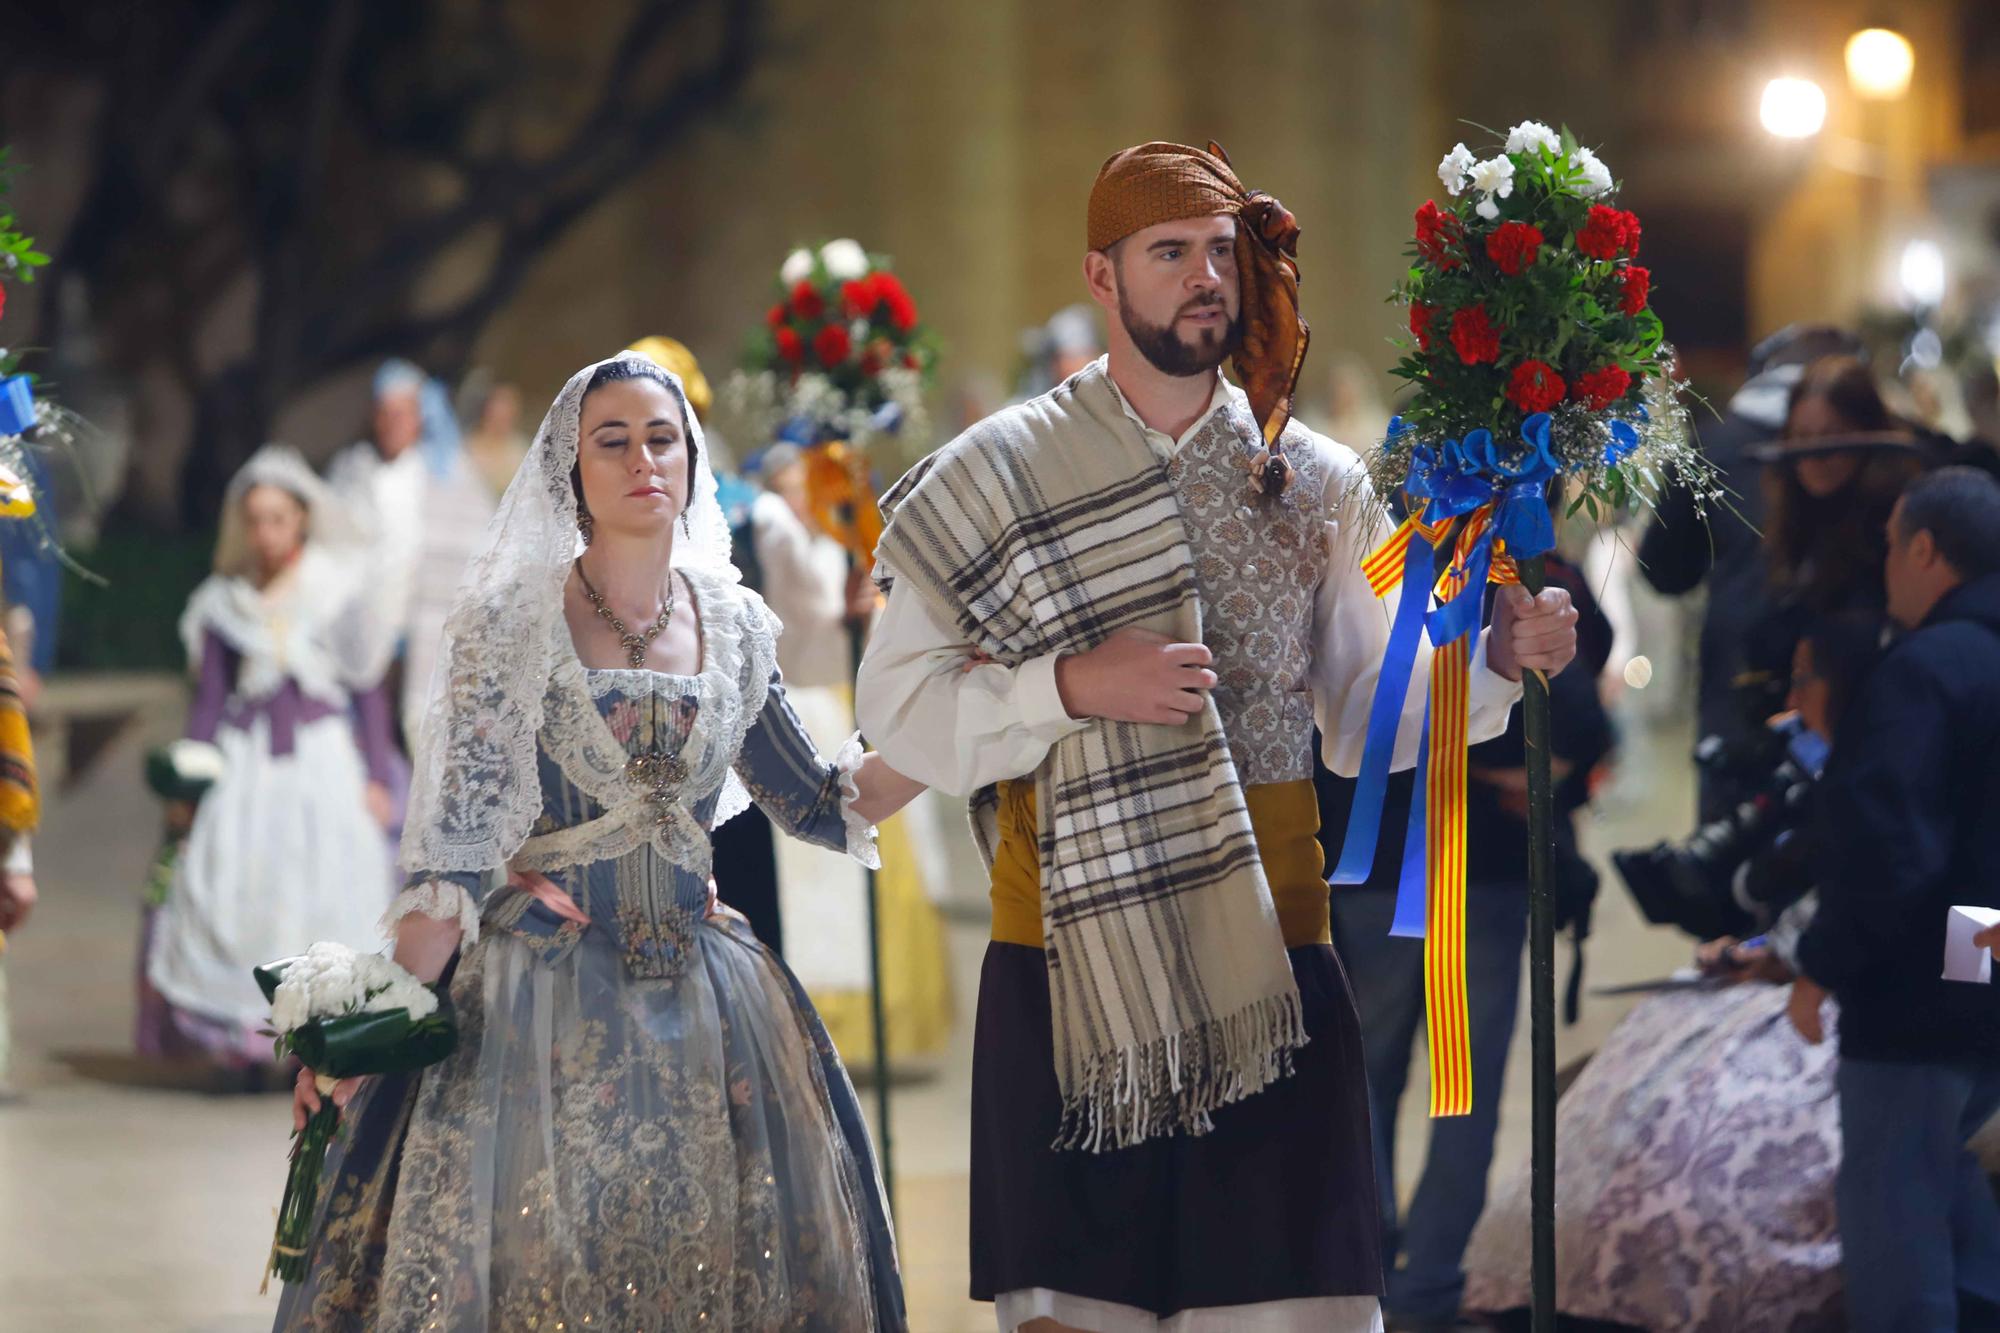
x,y
644,1126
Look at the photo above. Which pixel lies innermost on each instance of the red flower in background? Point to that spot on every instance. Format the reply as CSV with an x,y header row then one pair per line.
x,y
1437,232
1601,388
831,345
3,300
861,297
910,361
807,303
1638,286
1608,232
775,316
1474,336
902,310
1535,387
1421,316
789,346
1513,246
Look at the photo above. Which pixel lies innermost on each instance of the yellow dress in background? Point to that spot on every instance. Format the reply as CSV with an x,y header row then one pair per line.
x,y
823,897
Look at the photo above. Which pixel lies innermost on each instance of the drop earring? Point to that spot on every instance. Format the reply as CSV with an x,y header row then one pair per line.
x,y
584,524
687,529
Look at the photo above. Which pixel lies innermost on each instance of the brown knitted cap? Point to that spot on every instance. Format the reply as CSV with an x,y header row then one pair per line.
x,y
1159,182
1163,182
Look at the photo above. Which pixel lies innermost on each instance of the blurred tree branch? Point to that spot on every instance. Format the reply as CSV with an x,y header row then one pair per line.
x,y
277,193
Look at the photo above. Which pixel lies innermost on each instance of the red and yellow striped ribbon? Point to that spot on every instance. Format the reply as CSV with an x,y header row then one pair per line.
x,y
1384,566
1445,1003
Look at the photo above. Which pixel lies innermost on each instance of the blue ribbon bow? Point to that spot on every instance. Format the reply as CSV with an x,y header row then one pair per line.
x,y
1455,478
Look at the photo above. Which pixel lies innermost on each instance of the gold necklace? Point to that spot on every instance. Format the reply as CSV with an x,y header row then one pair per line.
x,y
635,644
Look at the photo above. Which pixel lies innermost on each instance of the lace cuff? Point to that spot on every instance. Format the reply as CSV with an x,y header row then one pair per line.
x,y
440,900
860,833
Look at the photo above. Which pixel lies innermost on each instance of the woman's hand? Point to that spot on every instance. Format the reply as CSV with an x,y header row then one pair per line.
x,y
1807,996
381,806
17,899
305,1095
424,944
883,790
1988,938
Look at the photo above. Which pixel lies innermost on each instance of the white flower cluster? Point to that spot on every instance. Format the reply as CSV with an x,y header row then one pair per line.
x,y
333,980
844,261
1596,176
1494,178
1533,134
1457,165
195,761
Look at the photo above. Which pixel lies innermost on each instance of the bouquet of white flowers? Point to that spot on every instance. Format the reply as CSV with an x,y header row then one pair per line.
x,y
344,1014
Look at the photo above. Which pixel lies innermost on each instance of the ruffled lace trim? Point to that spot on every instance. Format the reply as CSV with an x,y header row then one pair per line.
x,y
860,833
441,900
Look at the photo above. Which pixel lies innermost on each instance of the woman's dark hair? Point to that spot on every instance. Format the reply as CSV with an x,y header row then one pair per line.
x,y
635,368
1845,648
1828,551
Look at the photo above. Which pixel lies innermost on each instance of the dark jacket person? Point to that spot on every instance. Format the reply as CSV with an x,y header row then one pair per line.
x,y
1909,830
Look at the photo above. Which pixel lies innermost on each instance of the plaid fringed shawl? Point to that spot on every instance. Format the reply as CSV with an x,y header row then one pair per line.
x,y
1043,529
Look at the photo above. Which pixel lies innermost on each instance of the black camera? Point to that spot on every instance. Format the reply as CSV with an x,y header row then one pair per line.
x,y
1734,875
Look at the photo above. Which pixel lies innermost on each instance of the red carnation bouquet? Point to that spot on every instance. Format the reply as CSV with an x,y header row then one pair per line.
x,y
841,353
1529,320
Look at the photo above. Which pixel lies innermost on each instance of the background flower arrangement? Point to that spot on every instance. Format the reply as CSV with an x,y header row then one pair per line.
x,y
1533,347
842,354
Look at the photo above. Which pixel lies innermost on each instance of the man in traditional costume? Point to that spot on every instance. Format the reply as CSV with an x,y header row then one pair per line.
x,y
1114,614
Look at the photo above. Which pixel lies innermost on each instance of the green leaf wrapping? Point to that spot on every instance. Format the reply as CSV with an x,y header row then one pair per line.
x,y
384,1043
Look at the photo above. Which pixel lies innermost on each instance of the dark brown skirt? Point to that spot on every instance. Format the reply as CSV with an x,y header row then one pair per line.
x,y
1278,1203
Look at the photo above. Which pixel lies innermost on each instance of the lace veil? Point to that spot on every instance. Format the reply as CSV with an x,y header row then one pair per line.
x,y
507,670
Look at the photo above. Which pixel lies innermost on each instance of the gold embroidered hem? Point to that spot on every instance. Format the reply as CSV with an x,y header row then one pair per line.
x,y
1284,816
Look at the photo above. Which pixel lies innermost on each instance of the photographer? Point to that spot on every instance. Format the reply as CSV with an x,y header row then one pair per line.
x,y
1829,484
1908,831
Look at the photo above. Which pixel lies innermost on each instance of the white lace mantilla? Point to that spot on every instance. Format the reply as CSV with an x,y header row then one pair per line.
x,y
508,683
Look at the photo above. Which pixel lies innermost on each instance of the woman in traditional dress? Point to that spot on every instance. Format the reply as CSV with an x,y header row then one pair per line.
x,y
289,845
643,1126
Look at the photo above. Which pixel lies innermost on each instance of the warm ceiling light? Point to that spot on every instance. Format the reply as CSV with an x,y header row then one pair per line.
x,y
1921,272
1879,62
1793,108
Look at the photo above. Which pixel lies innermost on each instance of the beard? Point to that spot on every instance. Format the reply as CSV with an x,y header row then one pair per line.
x,y
1168,351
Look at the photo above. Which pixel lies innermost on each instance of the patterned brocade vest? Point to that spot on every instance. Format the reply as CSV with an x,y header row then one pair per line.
x,y
1258,563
